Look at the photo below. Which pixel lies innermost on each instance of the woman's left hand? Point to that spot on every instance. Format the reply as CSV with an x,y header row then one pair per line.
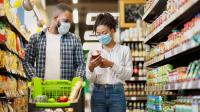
x,y
106,63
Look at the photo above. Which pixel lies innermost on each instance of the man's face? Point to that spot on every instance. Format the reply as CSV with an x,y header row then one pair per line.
x,y
64,17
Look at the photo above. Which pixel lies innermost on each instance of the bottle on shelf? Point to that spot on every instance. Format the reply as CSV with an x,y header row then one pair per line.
x,y
133,49
135,70
140,72
136,50
140,52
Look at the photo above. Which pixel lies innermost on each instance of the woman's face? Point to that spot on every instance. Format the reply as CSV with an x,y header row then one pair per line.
x,y
103,30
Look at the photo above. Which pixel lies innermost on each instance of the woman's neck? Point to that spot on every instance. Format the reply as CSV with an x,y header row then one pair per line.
x,y
110,46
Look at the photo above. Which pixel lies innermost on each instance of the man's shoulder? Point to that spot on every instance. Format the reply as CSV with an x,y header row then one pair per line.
x,y
73,36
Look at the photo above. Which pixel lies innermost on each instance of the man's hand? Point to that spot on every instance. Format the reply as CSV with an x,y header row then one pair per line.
x,y
106,63
94,63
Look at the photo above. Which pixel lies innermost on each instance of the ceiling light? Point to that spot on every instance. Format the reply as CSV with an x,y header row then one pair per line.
x,y
75,16
75,1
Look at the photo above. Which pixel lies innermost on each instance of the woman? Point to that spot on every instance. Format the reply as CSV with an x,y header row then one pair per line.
x,y
110,69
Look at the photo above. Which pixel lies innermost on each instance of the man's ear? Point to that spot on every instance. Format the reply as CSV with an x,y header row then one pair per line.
x,y
55,18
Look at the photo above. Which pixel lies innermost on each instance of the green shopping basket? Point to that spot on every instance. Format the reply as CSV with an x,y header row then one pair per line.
x,y
52,89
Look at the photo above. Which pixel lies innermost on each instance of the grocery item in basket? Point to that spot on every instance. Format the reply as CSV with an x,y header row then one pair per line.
x,y
51,100
75,91
62,99
42,98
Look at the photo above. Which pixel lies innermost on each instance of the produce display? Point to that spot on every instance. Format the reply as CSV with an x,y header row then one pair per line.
x,y
180,40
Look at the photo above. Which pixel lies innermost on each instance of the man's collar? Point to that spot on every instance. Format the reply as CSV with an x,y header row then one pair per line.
x,y
44,31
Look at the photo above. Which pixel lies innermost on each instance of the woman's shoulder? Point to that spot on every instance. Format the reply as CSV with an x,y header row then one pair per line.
x,y
124,48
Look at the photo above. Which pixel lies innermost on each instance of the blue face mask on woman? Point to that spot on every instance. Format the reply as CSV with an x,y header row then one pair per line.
x,y
105,39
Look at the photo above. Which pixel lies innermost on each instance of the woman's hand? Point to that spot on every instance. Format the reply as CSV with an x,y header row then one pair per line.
x,y
94,63
106,63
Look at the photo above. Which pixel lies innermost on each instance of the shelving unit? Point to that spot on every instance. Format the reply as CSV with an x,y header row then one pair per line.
x,y
173,84
185,13
134,88
4,18
13,80
136,98
137,79
5,48
176,55
152,13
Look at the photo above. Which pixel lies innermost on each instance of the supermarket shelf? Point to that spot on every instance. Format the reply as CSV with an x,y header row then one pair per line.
x,y
138,59
12,26
4,71
154,10
186,11
139,41
188,85
137,79
136,98
177,55
155,60
4,47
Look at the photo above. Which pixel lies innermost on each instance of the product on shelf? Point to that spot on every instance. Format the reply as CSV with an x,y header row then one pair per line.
x,y
136,106
148,4
11,63
154,103
17,105
181,40
134,89
133,34
172,7
159,75
137,49
183,104
158,78
138,69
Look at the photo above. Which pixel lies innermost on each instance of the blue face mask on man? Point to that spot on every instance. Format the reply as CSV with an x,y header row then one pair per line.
x,y
105,39
64,28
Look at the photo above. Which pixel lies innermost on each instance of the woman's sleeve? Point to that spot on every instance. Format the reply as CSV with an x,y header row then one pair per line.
x,y
124,72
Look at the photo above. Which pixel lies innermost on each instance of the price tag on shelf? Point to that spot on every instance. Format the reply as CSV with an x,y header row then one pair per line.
x,y
172,86
195,84
183,85
189,85
133,98
184,47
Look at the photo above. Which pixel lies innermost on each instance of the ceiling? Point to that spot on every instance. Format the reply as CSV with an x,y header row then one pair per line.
x,y
84,7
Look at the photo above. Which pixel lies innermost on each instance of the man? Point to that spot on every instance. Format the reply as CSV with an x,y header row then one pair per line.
x,y
55,53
